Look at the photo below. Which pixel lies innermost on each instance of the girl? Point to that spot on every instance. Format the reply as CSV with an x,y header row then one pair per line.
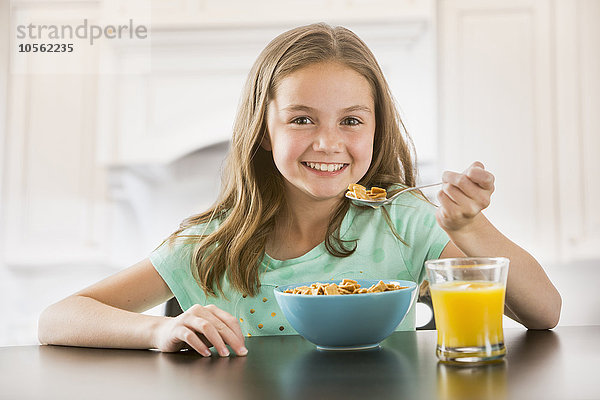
x,y
316,115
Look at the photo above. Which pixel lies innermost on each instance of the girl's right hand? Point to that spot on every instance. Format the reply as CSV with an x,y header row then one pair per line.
x,y
199,328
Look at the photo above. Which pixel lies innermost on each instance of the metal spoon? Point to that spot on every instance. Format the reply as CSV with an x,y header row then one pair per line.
x,y
379,203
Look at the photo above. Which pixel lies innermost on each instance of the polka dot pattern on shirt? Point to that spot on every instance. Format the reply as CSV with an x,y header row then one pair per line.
x,y
260,315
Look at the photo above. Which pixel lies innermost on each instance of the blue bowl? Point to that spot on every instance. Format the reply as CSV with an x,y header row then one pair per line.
x,y
346,322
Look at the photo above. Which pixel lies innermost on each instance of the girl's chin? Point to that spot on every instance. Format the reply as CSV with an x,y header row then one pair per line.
x,y
318,192
327,194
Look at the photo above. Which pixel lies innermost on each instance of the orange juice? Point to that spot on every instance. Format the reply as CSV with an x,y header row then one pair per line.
x,y
469,314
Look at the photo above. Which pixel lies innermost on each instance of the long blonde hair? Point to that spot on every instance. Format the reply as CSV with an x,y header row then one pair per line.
x,y
252,194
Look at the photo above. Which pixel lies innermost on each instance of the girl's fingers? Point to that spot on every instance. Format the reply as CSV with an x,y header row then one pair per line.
x,y
463,196
228,319
463,182
477,173
218,327
450,213
237,343
448,208
455,194
464,206
233,339
211,333
190,337
472,190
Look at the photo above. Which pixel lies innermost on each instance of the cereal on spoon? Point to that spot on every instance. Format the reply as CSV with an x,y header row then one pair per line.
x,y
361,193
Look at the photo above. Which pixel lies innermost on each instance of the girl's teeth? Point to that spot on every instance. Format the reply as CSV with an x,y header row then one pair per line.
x,y
325,167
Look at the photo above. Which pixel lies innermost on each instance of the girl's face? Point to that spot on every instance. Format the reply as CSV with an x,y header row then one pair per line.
x,y
321,126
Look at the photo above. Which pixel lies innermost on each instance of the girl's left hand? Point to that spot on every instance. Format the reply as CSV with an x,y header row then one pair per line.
x,y
463,196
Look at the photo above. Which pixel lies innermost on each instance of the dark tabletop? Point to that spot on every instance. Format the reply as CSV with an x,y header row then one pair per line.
x,y
559,364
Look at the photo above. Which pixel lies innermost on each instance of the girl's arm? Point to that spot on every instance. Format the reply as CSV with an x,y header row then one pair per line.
x,y
531,299
107,314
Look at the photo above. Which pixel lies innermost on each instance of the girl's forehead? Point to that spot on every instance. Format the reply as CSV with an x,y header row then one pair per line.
x,y
322,72
324,82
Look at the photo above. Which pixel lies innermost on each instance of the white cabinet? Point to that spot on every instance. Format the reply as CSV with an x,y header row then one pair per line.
x,y
578,126
53,208
519,87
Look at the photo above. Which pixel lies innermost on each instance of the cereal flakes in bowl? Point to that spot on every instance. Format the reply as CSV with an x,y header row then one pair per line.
x,y
349,315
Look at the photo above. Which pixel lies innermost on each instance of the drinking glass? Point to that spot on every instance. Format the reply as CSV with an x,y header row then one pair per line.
x,y
468,303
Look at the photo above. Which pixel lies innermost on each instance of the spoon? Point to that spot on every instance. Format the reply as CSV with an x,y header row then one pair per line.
x,y
379,203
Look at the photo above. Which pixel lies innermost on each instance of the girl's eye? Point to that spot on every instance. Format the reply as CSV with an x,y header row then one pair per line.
x,y
301,121
351,121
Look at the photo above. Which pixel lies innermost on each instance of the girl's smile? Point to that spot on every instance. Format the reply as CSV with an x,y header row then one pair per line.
x,y
321,125
325,169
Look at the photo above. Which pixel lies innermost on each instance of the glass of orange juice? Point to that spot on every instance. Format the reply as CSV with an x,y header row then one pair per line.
x,y
468,303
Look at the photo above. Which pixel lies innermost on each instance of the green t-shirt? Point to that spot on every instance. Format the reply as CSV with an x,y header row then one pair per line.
x,y
379,255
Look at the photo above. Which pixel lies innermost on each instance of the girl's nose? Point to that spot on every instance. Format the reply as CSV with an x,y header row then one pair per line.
x,y
328,140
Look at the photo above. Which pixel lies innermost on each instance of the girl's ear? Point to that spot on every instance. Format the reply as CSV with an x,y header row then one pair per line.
x,y
266,142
